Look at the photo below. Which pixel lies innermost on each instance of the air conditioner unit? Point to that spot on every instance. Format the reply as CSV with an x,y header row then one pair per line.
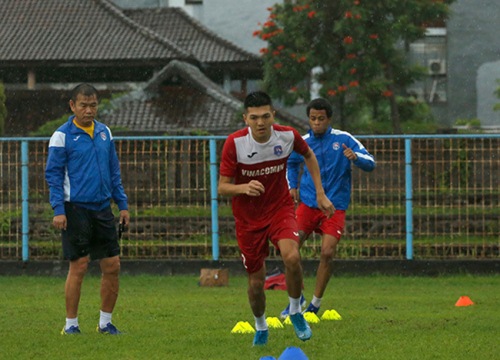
x,y
436,66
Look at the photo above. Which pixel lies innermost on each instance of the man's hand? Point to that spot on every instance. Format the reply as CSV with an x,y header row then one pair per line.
x,y
348,153
124,218
294,193
253,188
325,205
60,222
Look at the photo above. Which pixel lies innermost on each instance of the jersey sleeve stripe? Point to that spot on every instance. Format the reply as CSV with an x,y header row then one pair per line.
x,y
58,139
365,156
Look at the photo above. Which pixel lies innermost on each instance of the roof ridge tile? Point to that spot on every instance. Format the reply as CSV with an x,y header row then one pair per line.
x,y
143,29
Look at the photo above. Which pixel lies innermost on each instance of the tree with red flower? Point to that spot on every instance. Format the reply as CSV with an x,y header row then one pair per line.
x,y
350,48
348,40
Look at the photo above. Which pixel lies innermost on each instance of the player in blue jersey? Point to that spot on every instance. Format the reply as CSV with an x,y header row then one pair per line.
x,y
83,174
336,151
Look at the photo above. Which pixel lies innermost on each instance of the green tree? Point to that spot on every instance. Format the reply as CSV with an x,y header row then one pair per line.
x,y
3,109
354,49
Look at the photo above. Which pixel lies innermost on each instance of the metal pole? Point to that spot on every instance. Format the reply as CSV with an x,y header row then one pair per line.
x,y
25,199
409,200
214,197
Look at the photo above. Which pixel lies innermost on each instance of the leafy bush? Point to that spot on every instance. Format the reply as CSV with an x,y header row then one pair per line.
x,y
469,125
49,127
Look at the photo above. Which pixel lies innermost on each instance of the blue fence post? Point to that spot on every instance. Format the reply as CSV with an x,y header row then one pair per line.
x,y
25,199
409,200
215,202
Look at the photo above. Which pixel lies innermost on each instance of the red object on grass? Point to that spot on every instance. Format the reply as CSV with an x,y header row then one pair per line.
x,y
464,301
275,282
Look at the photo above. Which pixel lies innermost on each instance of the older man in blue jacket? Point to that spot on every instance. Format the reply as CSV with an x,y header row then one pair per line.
x,y
83,174
335,150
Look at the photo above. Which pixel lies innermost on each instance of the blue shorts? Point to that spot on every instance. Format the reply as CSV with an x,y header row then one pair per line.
x,y
89,232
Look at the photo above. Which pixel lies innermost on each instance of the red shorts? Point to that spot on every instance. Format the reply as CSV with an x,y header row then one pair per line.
x,y
310,219
254,243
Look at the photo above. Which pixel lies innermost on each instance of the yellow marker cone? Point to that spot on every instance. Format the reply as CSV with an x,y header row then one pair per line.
x,y
237,329
249,327
331,315
311,317
274,322
242,327
287,321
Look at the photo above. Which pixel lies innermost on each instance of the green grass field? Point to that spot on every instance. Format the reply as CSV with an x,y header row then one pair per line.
x,y
174,318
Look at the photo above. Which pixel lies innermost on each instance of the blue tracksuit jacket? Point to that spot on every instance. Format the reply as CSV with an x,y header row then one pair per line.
x,y
334,166
83,170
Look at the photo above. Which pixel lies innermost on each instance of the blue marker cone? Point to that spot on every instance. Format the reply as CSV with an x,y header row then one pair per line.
x,y
293,353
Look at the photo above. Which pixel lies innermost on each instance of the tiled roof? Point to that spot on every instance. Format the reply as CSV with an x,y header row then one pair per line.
x,y
186,32
179,100
98,30
77,30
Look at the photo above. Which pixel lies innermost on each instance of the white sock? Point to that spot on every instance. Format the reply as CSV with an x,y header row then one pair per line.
x,y
316,301
71,322
294,305
260,323
104,319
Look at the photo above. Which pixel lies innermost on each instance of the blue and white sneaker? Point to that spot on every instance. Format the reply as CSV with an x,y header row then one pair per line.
x,y
72,330
301,327
260,338
110,329
311,308
286,312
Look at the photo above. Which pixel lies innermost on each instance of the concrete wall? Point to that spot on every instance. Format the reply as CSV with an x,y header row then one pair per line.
x,y
193,267
473,61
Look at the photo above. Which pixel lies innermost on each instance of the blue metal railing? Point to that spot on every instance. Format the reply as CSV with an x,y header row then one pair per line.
x,y
213,179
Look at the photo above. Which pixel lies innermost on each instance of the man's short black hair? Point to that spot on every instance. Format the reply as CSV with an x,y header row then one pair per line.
x,y
320,104
257,99
83,89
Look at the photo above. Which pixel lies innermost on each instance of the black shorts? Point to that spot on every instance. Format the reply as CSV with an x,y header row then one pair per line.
x,y
89,232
